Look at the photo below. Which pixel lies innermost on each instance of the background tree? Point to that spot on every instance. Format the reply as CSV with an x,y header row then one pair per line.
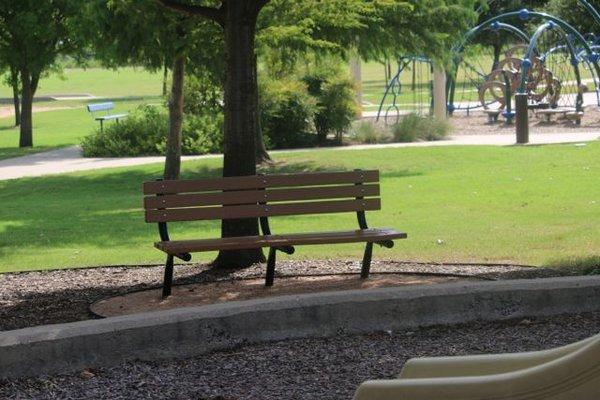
x,y
497,7
143,33
375,28
11,79
33,34
575,14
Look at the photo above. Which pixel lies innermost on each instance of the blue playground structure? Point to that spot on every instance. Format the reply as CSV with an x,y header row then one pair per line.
x,y
554,64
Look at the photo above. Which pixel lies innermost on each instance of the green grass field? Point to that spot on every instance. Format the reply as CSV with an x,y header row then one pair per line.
x,y
58,128
124,82
531,205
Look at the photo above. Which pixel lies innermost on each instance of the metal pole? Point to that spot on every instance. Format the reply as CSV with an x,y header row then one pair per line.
x,y
522,118
508,113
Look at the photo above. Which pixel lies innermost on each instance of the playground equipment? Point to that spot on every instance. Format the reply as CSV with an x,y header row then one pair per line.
x,y
563,373
554,67
410,90
547,67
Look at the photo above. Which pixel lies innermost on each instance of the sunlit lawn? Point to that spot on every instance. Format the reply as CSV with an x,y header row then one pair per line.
x,y
528,205
57,128
100,82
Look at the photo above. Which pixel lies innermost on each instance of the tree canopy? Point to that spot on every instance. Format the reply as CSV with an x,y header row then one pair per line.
x,y
33,34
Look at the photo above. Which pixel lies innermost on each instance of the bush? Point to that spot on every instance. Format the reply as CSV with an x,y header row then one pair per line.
x,y
201,134
578,265
368,132
140,134
202,95
412,128
287,112
144,133
336,103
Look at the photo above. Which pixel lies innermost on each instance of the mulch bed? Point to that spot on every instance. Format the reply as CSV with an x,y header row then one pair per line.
x,y
476,124
48,297
325,369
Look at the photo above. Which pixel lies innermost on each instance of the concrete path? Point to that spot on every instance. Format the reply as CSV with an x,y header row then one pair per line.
x,y
70,159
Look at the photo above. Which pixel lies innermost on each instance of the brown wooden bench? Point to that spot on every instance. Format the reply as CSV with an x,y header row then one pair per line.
x,y
265,196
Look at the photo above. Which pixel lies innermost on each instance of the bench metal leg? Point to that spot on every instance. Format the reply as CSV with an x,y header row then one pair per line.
x,y
366,263
101,126
271,267
168,279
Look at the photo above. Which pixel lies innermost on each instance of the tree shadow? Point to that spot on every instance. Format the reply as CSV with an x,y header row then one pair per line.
x,y
102,210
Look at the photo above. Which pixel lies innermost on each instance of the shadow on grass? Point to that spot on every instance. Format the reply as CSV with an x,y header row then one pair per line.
x,y
99,210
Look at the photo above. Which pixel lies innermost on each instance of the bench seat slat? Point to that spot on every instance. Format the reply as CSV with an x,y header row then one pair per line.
x,y
109,117
250,242
260,182
258,196
256,211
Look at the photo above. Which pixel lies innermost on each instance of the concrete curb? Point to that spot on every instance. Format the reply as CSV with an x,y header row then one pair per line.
x,y
192,331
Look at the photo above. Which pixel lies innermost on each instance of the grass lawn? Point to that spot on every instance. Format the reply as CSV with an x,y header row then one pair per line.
x,y
100,82
57,128
529,205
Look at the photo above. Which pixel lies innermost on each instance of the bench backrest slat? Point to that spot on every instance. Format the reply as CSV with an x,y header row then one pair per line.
x,y
260,182
100,106
257,210
261,196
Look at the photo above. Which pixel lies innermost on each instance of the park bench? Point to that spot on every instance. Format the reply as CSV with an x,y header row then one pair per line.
x,y
107,106
548,113
263,197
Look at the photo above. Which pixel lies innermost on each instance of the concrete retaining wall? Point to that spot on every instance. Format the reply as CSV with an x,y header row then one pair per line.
x,y
192,331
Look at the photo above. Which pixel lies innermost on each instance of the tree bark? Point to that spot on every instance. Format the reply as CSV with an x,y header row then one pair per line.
x,y
26,129
165,78
262,156
14,82
173,150
241,116
497,50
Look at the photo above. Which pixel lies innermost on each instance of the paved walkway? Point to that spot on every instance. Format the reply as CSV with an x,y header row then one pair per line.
x,y
70,159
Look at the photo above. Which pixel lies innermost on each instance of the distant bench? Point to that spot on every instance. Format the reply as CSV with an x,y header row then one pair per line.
x,y
568,113
107,106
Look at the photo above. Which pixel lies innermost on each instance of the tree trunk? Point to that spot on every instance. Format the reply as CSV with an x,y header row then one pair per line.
x,y
262,156
173,150
497,50
241,116
26,130
165,78
14,82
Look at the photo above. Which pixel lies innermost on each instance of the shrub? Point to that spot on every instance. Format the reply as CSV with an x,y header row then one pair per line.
x,y
412,128
369,133
202,95
407,129
578,265
202,134
144,133
287,112
435,129
336,102
140,134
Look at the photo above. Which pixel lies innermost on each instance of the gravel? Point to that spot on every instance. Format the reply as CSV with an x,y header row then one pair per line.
x,y
476,124
39,298
301,369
